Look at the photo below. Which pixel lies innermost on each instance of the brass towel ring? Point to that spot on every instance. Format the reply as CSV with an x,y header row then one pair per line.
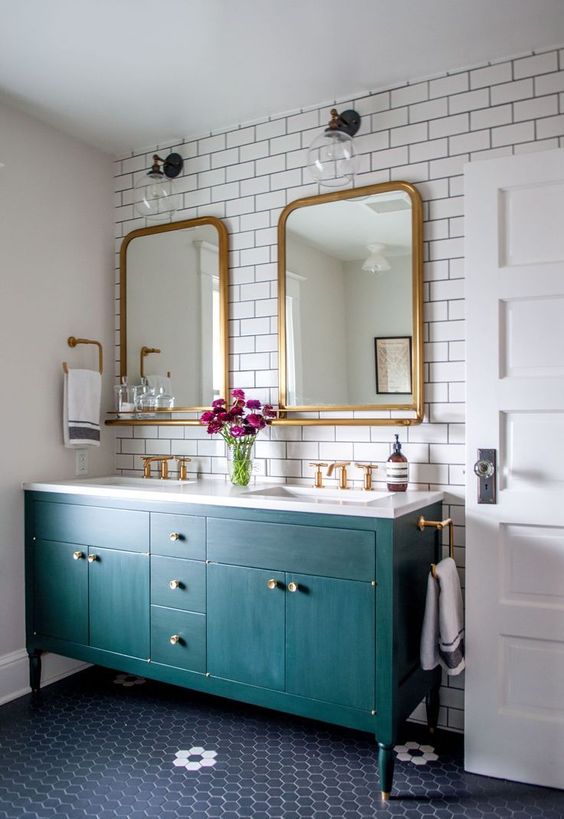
x,y
72,342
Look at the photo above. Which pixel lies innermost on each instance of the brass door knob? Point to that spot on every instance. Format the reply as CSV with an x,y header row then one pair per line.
x,y
174,536
78,555
174,639
92,558
272,583
174,584
292,587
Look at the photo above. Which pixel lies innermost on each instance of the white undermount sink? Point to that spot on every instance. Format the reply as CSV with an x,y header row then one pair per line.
x,y
145,483
324,495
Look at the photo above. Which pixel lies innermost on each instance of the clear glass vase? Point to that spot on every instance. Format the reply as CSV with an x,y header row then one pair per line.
x,y
240,461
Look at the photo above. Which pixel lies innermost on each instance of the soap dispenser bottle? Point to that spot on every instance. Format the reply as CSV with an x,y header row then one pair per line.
x,y
397,469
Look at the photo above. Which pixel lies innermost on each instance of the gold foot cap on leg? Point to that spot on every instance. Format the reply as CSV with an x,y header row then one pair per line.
x,y
385,795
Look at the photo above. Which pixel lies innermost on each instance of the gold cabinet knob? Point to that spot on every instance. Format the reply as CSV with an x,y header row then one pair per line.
x,y
292,587
78,555
174,639
272,583
92,558
174,584
174,536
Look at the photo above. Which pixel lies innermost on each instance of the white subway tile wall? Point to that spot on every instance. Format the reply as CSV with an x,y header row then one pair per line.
x,y
423,132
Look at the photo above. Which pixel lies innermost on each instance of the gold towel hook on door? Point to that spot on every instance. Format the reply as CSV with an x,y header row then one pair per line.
x,y
439,524
72,342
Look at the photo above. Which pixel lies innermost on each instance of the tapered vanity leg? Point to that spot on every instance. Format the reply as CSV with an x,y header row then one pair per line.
x,y
35,671
386,768
432,701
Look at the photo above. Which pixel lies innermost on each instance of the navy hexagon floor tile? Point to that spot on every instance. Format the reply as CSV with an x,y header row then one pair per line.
x,y
103,745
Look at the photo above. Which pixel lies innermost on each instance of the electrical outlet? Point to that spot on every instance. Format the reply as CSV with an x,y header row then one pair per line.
x,y
81,464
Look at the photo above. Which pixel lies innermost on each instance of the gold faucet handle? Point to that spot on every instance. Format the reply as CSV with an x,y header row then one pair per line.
x,y
318,482
367,474
183,461
147,461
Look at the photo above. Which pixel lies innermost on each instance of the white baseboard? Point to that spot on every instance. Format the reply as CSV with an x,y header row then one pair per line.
x,y
14,672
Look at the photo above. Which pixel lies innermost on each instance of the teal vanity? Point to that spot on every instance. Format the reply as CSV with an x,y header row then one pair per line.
x,y
309,606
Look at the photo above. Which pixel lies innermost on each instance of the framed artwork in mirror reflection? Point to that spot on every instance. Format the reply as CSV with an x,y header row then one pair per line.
x,y
393,365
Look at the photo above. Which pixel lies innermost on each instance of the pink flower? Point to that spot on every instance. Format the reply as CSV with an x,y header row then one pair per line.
x,y
268,411
222,417
256,421
238,394
234,412
213,427
253,403
219,402
237,431
207,416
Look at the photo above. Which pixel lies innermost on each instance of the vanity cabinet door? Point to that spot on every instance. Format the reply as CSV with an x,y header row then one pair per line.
x,y
60,595
245,623
118,595
330,640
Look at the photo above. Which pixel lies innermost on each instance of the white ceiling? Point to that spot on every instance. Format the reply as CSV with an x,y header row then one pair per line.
x,y
125,74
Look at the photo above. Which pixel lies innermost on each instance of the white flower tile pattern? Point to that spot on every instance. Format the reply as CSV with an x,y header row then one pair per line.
x,y
415,753
129,680
194,759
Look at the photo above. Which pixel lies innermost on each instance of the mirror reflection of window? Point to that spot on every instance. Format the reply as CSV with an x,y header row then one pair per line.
x,y
294,360
217,385
355,259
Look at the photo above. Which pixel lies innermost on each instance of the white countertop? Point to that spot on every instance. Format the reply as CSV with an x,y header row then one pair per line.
x,y
262,495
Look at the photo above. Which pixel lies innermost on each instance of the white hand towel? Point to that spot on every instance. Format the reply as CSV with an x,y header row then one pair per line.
x,y
158,382
442,636
81,408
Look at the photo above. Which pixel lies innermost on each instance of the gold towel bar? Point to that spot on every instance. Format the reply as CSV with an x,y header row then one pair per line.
x,y
439,524
72,342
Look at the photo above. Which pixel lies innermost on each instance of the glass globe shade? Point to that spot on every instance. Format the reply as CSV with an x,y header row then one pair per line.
x,y
331,159
154,197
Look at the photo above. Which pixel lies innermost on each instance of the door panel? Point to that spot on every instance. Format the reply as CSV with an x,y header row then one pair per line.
x,y
246,625
61,591
515,549
118,597
330,640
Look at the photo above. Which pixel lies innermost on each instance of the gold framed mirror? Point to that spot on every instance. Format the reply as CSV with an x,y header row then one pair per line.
x,y
173,314
350,321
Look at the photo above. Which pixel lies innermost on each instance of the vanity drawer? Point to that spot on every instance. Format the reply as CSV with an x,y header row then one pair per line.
x,y
178,535
188,579
189,651
320,550
92,526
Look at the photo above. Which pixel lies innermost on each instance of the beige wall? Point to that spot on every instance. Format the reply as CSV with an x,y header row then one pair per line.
x,y
56,280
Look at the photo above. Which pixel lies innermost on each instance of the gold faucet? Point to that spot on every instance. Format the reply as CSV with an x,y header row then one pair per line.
x,y
183,462
148,460
342,465
367,475
318,481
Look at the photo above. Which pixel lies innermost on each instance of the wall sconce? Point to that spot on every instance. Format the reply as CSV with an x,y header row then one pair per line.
x,y
330,158
376,262
155,198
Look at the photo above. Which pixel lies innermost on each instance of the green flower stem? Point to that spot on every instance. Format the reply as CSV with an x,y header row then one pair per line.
x,y
241,458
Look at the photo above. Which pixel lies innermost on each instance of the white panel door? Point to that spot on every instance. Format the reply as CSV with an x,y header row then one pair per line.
x,y
515,549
